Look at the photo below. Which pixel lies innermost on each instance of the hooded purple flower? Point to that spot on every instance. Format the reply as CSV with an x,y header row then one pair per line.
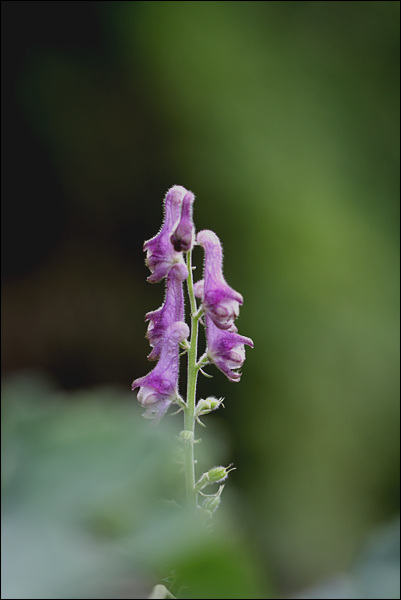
x,y
172,309
183,236
160,253
226,349
220,302
159,388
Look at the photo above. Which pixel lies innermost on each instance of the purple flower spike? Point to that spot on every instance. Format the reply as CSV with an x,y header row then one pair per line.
x,y
159,388
183,237
171,311
226,349
160,253
220,301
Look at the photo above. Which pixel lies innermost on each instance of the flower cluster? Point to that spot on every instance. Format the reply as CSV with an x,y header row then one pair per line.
x,y
225,347
166,328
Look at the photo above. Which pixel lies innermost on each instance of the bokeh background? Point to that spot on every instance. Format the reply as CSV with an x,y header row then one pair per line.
x,y
283,119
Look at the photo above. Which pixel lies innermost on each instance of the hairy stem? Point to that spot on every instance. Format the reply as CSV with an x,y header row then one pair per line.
x,y
189,413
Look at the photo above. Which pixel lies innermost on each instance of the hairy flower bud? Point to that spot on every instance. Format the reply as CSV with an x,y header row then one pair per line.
x,y
214,475
186,436
212,502
183,236
159,388
172,309
205,406
217,474
220,301
160,252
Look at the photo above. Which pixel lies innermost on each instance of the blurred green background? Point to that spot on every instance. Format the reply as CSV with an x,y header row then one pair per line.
x,y
283,119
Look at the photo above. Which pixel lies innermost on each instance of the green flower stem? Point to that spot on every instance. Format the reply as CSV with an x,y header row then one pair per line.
x,y
189,412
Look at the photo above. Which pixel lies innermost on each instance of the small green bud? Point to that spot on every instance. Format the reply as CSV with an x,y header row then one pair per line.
x,y
214,402
186,436
201,406
211,503
207,405
215,475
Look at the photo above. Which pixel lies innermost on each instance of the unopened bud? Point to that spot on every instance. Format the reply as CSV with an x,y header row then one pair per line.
x,y
183,236
207,405
186,436
211,503
215,475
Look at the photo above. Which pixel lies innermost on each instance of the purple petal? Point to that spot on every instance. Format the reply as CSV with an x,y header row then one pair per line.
x,y
172,309
226,349
220,301
159,388
160,253
183,236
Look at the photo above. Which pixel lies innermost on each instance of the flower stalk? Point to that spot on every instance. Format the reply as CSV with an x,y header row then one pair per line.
x,y
189,411
168,334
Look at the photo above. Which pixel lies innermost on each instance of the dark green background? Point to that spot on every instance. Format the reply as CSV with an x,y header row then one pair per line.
x,y
283,119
